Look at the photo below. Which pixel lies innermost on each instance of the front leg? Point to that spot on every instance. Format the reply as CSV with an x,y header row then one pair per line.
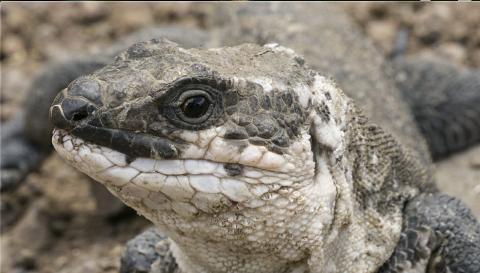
x,y
440,235
148,252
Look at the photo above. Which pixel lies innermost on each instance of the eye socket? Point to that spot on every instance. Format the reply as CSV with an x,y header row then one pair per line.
x,y
196,106
192,106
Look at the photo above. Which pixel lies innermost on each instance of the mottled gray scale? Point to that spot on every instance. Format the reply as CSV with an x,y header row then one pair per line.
x,y
139,116
280,119
287,97
377,190
292,122
328,96
273,147
281,139
242,106
233,109
233,169
258,141
323,112
241,119
236,133
278,103
260,118
253,104
230,98
139,50
87,88
266,103
299,60
200,68
251,130
266,126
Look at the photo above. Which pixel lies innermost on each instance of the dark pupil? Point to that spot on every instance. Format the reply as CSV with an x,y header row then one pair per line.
x,y
195,107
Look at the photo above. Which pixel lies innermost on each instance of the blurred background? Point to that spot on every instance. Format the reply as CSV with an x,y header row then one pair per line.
x,y
51,223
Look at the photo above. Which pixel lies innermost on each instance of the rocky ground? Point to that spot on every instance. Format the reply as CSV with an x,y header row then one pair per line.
x,y
57,225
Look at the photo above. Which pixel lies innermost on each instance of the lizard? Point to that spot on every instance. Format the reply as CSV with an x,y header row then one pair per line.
x,y
408,136
245,166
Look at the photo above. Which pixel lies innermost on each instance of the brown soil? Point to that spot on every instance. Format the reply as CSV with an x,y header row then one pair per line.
x,y
59,228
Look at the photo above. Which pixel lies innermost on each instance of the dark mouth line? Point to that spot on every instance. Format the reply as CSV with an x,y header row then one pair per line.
x,y
132,144
89,127
132,156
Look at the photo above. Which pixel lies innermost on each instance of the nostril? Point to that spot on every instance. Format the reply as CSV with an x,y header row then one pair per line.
x,y
68,112
78,116
76,109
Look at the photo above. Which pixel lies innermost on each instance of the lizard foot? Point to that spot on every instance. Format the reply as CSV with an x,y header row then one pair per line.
x,y
444,100
439,235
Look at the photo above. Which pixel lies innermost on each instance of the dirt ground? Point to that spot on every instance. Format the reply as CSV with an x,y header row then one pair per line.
x,y
57,226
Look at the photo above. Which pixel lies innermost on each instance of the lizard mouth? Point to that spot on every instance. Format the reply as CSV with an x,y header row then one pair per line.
x,y
178,179
133,144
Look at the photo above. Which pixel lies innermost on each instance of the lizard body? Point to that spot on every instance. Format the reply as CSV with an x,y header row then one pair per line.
x,y
283,172
214,181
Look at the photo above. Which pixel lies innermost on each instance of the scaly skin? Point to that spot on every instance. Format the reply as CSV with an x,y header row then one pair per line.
x,y
306,159
281,172
332,45
245,209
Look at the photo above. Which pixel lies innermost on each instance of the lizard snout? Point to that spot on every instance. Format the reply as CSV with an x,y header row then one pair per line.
x,y
70,112
75,104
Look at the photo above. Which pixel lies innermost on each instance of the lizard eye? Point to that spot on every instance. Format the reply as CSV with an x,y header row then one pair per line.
x,y
192,106
195,106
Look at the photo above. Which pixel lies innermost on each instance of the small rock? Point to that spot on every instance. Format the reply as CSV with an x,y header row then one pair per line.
x,y
383,33
13,48
477,189
453,52
29,236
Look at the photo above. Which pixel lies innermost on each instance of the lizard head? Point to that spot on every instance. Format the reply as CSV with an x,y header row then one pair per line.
x,y
231,144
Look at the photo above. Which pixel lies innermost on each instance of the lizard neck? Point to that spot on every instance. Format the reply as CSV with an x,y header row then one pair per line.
x,y
270,239
191,259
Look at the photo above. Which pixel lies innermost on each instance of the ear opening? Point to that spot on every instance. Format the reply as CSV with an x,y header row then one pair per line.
x,y
315,150
326,140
